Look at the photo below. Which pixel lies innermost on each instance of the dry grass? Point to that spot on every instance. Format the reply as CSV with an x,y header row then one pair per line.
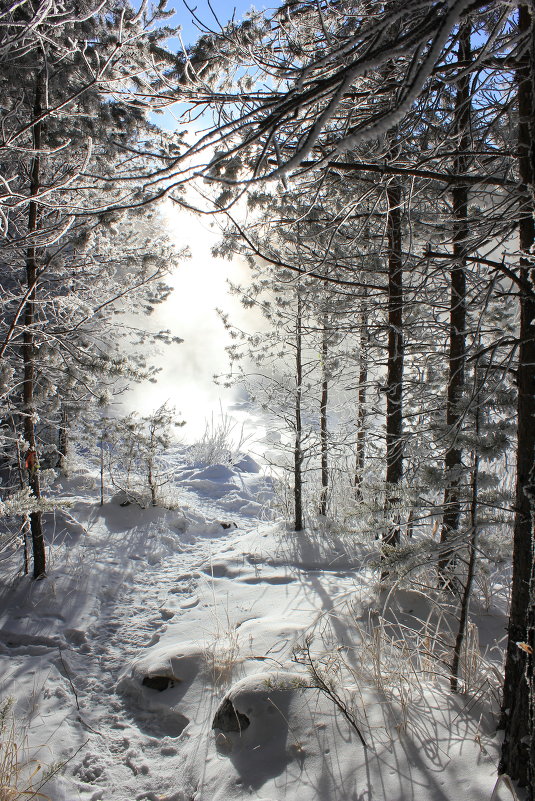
x,y
21,777
403,660
222,442
222,658
221,649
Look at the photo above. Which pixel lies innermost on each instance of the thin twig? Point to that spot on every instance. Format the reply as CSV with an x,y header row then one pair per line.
x,y
68,677
328,690
73,688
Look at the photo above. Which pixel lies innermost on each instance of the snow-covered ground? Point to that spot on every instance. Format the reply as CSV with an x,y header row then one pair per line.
x,y
158,660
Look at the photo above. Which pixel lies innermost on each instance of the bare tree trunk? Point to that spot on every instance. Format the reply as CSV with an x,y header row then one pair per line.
x,y
152,482
361,409
102,472
530,645
298,444
29,349
151,457
516,713
394,381
472,552
457,333
25,526
324,432
63,439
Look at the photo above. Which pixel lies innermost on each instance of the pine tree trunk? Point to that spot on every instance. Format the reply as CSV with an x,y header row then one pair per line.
x,y
26,526
29,348
516,713
472,553
298,445
457,327
530,650
152,483
63,439
324,433
394,381
102,472
361,409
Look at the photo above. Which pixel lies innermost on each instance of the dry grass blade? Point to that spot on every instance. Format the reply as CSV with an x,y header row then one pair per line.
x,y
18,773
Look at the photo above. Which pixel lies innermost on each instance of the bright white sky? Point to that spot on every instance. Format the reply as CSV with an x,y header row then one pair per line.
x,y
200,286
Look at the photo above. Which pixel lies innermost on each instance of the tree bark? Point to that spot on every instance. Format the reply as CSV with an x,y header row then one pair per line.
x,y
394,381
530,643
63,439
453,459
516,714
361,408
472,553
324,432
29,347
298,445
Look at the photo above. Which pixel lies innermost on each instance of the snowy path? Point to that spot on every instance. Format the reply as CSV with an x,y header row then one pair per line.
x,y
188,600
176,577
138,616
153,576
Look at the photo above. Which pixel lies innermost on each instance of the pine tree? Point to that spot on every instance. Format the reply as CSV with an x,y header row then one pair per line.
x,y
76,82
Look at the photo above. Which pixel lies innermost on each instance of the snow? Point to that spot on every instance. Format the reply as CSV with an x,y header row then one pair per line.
x,y
152,620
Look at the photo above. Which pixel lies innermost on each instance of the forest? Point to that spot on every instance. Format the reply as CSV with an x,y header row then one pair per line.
x,y
372,167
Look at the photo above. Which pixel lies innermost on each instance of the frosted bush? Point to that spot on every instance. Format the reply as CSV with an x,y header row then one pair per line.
x,y
221,442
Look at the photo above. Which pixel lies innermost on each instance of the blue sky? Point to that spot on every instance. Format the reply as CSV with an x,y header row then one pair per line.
x,y
224,9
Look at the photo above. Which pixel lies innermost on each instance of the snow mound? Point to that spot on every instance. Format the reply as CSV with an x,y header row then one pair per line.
x,y
247,465
212,489
234,503
200,527
157,684
214,472
174,665
253,712
240,489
